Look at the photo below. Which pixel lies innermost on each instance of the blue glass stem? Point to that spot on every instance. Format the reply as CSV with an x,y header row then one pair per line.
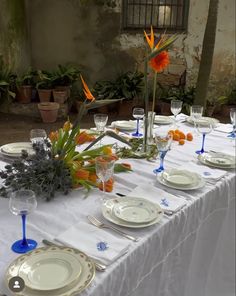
x,y
137,130
24,241
162,156
203,142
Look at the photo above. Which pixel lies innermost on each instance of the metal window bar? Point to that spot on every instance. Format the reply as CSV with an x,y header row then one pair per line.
x,y
161,14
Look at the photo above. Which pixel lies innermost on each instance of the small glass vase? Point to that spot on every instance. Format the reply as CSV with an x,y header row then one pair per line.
x,y
148,138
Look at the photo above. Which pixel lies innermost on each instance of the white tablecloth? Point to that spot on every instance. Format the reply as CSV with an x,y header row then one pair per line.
x,y
191,253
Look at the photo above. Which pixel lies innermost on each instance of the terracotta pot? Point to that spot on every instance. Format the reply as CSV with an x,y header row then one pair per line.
x,y
24,94
48,111
66,88
126,108
60,96
44,95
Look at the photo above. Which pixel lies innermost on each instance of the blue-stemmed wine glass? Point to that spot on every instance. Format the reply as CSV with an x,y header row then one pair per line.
x,y
22,202
203,128
138,113
233,121
163,142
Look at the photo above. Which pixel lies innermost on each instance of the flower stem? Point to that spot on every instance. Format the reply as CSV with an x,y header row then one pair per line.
x,y
146,103
154,91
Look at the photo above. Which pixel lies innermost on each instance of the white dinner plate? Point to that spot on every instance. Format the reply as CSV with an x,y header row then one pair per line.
x,y
180,177
36,271
108,213
135,210
204,120
161,119
196,185
15,149
218,160
85,276
125,125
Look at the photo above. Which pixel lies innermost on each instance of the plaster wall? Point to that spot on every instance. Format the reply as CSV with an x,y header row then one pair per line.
x,y
88,34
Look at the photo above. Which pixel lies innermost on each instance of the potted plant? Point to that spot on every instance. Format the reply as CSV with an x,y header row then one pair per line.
x,y
213,103
44,85
63,78
230,103
6,81
25,84
48,111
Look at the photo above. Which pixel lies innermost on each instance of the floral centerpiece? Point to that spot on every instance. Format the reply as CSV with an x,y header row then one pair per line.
x,y
56,165
157,58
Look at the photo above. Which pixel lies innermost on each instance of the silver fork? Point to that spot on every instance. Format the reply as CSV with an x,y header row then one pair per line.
x,y
100,224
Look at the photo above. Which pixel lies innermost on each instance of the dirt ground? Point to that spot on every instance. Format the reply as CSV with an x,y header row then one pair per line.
x,y
16,128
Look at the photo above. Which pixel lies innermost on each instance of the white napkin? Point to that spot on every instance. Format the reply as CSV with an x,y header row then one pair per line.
x,y
224,128
181,117
167,201
91,240
205,172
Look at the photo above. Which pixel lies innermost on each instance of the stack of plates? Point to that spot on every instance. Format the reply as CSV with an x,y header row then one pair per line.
x,y
132,212
15,149
55,271
180,179
125,125
204,120
218,160
160,119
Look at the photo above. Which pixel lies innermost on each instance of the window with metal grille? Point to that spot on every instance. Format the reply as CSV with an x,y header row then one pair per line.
x,y
161,14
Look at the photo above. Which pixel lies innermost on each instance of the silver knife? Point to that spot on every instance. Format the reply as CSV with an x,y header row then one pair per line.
x,y
99,266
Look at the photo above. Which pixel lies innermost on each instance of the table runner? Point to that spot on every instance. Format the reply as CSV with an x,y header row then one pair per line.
x,y
188,254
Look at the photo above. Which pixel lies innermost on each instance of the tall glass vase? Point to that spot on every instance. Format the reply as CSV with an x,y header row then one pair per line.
x,y
148,138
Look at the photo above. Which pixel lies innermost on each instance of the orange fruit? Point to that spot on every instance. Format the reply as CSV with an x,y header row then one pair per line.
x,y
176,137
189,137
182,135
177,131
171,132
181,142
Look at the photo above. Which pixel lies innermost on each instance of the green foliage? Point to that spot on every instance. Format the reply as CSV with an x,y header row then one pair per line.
x,y
44,80
6,81
214,102
28,78
231,99
65,75
127,86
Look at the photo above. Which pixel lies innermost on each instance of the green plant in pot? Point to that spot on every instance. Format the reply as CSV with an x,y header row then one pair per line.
x,y
7,80
229,103
63,79
44,85
25,84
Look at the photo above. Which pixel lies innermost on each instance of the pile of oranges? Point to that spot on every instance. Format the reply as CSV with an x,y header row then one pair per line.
x,y
180,137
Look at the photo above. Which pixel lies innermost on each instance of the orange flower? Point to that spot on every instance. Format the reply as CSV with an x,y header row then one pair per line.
x,y
126,166
108,185
92,177
86,90
84,137
82,174
67,126
53,136
150,40
160,61
107,150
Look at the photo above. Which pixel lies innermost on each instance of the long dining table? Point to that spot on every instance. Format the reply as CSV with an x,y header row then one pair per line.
x,y
189,253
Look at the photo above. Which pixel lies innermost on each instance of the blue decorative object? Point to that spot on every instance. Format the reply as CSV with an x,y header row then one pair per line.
x,y
165,202
206,173
102,246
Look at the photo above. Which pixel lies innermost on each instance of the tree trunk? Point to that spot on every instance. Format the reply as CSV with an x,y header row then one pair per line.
x,y
207,54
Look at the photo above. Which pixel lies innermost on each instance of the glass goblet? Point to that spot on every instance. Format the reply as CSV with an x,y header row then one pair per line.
x,y
196,112
104,166
233,121
37,136
163,142
22,202
100,121
204,129
138,113
176,106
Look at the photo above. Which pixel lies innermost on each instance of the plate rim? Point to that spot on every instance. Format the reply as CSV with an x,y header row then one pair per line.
x,y
51,289
14,154
215,120
72,290
127,224
169,121
203,161
195,176
136,199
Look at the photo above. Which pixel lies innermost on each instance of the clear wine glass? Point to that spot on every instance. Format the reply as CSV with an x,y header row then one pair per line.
x,y
233,121
176,106
163,142
104,170
100,121
38,136
138,113
196,112
204,129
23,202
